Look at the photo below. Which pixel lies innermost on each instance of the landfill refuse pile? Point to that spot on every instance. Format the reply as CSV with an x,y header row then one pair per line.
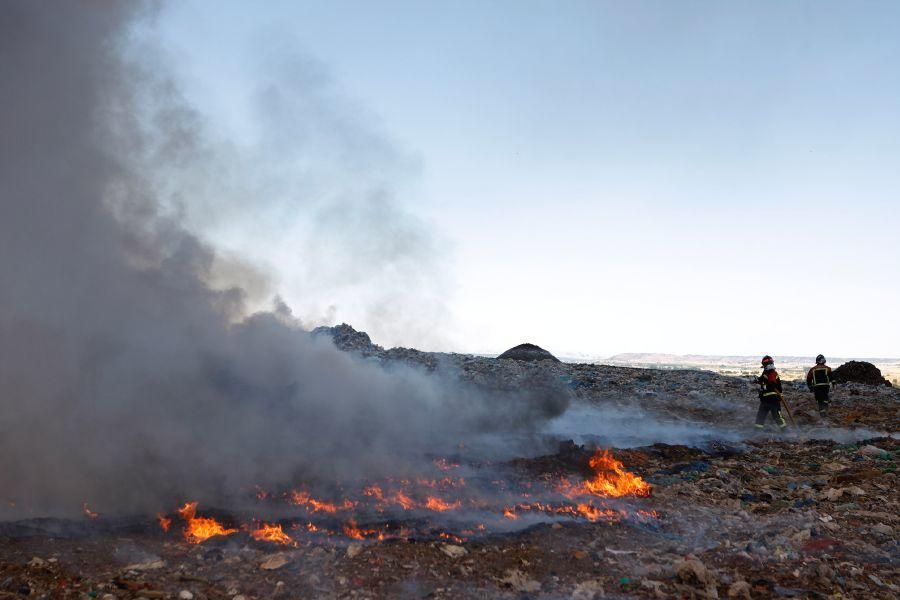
x,y
348,339
858,371
528,352
659,487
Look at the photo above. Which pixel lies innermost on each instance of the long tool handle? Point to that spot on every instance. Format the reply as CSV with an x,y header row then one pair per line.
x,y
787,410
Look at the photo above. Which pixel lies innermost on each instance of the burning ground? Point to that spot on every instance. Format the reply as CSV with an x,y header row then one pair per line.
x,y
161,436
716,511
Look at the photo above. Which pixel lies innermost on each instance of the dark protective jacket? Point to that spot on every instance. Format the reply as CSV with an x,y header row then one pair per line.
x,y
769,385
819,377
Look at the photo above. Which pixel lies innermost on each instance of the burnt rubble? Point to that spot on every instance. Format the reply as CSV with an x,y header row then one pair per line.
x,y
811,513
780,519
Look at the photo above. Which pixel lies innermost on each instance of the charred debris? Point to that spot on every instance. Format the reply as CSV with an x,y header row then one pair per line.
x,y
807,514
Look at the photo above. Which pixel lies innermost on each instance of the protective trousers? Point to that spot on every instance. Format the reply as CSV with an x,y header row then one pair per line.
x,y
769,405
822,400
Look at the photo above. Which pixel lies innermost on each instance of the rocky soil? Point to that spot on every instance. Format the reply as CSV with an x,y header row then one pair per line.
x,y
811,513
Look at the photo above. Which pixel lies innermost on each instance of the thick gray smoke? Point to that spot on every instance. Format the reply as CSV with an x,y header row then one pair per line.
x,y
128,379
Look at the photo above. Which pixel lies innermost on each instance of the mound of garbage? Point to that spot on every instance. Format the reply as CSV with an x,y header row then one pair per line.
x,y
858,371
348,339
528,353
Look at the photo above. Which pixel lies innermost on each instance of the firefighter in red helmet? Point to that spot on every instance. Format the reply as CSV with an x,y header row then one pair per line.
x,y
769,395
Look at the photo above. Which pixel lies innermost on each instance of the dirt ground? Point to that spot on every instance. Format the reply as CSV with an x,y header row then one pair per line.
x,y
791,515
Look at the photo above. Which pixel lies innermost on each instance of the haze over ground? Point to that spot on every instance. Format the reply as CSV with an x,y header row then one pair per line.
x,y
133,368
596,177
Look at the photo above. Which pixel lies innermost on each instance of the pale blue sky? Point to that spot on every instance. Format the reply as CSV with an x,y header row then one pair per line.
x,y
600,177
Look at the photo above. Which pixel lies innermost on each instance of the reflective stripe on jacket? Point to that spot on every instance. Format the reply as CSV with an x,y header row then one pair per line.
x,y
818,377
769,384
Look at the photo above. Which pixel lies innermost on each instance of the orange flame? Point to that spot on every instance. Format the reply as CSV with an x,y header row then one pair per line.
x,y
610,480
88,512
374,491
302,498
164,522
593,513
352,531
271,533
583,510
438,505
403,500
309,527
449,536
199,529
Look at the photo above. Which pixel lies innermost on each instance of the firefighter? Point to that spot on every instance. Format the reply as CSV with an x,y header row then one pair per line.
x,y
819,382
769,395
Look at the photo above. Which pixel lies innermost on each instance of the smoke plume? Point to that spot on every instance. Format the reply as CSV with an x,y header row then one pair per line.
x,y
131,370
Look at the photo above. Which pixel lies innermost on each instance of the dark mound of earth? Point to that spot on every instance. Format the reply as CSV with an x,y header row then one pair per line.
x,y
859,372
529,353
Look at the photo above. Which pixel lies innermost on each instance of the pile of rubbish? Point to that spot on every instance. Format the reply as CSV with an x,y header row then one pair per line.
x,y
528,353
859,372
348,339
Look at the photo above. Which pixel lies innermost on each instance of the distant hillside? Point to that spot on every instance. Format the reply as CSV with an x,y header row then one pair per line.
x,y
790,367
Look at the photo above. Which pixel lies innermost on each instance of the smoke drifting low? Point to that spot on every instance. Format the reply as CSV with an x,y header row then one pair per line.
x,y
129,374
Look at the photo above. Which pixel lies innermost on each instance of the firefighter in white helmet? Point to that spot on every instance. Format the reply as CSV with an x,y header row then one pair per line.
x,y
769,395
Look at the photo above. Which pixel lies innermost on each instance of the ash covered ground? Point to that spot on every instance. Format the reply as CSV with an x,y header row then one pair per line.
x,y
811,513
160,437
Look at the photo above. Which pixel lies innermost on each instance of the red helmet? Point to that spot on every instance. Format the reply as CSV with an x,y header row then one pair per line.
x,y
767,360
